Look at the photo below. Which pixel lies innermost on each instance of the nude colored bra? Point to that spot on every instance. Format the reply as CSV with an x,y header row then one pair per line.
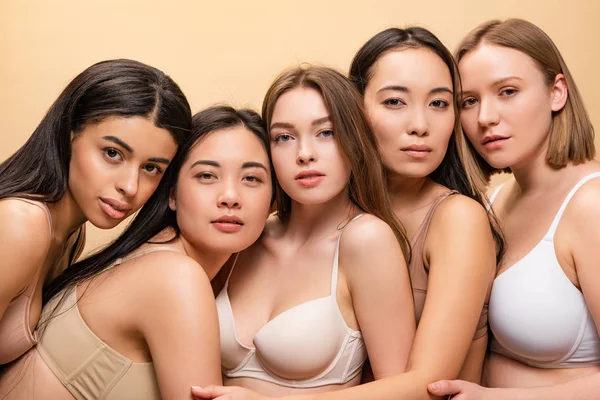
x,y
306,346
419,272
86,366
16,337
537,315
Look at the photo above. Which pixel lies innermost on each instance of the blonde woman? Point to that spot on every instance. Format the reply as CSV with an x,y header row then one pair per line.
x,y
522,111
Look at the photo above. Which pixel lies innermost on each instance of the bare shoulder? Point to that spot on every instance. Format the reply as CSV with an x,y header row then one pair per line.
x,y
25,239
584,205
21,219
366,233
24,230
166,276
459,212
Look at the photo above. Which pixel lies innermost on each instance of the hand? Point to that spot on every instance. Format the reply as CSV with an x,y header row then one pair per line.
x,y
462,390
225,393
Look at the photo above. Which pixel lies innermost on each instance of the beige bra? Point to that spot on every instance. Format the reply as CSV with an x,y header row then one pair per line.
x,y
15,333
84,364
419,272
306,346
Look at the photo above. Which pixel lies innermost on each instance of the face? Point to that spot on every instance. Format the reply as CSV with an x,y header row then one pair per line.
x,y
506,106
223,192
115,167
409,104
307,159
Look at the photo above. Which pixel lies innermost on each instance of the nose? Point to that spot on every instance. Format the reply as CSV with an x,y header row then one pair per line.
x,y
488,114
306,152
418,124
229,196
127,184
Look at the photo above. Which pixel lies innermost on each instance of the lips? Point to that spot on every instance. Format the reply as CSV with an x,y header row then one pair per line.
x,y
309,174
114,208
417,151
492,138
228,219
417,147
228,224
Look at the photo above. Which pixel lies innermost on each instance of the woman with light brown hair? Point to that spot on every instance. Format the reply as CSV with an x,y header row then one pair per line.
x,y
410,89
521,111
326,284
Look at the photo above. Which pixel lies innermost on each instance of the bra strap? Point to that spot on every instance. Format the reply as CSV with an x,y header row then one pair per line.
x,y
231,270
488,207
565,203
336,257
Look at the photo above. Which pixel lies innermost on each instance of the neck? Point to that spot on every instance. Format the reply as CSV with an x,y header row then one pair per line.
x,y
535,175
316,220
407,192
67,217
210,261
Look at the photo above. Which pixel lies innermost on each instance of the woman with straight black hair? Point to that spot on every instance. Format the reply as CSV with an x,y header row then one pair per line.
x,y
98,155
138,319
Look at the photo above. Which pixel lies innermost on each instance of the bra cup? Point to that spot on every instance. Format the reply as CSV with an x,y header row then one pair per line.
x,y
535,312
302,342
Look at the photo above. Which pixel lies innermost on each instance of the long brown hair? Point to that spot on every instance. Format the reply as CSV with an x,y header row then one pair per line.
x,y
571,137
367,188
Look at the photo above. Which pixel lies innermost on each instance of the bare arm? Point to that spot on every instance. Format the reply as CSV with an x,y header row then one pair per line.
x,y
24,244
584,242
180,325
381,294
462,259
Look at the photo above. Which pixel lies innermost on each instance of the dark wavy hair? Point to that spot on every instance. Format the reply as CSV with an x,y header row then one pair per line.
x,y
156,215
459,169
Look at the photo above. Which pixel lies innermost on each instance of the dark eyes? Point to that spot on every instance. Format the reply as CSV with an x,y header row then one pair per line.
x,y
394,102
111,153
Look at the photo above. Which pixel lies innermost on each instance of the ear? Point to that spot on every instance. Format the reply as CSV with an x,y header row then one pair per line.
x,y
172,202
559,93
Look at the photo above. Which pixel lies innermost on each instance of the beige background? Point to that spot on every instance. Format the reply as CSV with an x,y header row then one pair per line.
x,y
231,51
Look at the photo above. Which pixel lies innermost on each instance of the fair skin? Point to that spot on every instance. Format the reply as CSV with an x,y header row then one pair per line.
x,y
142,309
409,102
291,263
116,163
506,95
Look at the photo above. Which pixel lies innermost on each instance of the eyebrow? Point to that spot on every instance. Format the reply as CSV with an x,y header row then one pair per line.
x,y
495,83
247,164
118,141
287,125
441,89
159,160
127,147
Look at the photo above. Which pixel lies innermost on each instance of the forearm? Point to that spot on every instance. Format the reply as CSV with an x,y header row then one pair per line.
x,y
408,386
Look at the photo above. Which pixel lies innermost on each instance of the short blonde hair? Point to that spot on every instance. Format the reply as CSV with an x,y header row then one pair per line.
x,y
571,138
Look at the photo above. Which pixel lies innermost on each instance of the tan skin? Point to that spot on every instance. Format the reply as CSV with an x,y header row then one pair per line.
x,y
101,168
142,309
291,263
505,93
459,248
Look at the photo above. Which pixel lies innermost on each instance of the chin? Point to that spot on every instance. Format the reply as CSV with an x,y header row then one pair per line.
x,y
103,222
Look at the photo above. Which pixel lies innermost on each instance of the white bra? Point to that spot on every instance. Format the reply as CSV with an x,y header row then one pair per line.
x,y
536,314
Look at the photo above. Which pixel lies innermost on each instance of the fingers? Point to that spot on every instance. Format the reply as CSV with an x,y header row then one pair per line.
x,y
443,388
